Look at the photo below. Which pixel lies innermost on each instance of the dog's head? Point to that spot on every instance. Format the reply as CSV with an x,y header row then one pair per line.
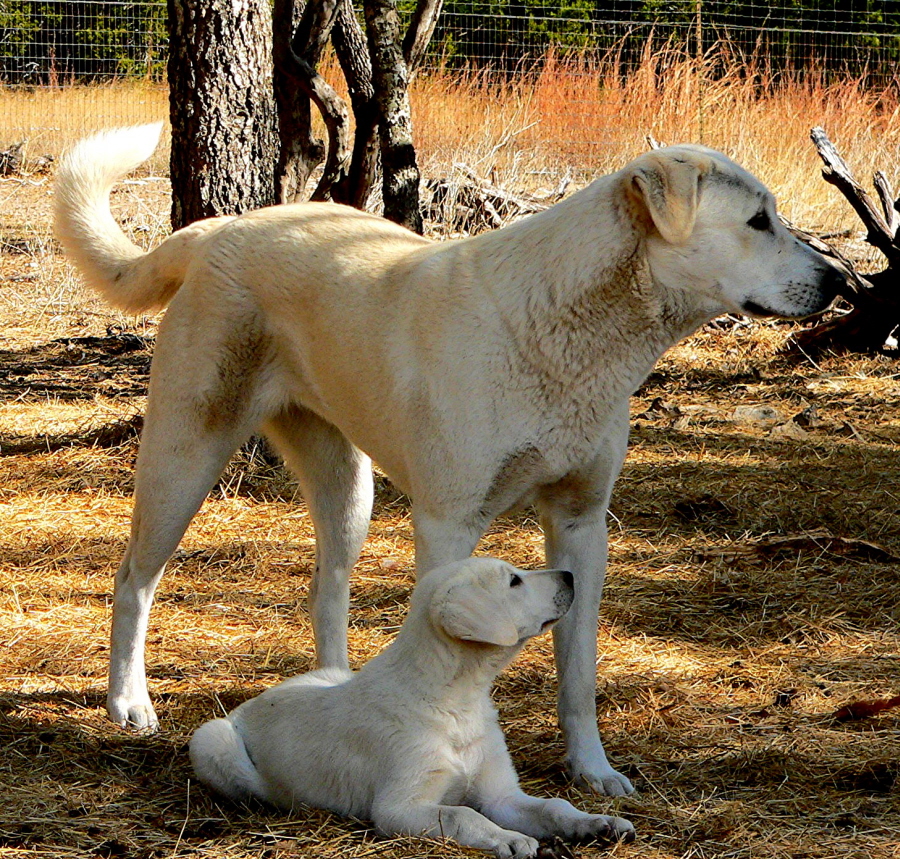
x,y
712,229
489,601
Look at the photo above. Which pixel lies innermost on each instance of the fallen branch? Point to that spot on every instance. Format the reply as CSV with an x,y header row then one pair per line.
x,y
473,203
874,299
109,435
818,542
865,709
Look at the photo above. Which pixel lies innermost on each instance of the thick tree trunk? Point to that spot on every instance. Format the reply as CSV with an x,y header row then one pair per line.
x,y
221,106
390,78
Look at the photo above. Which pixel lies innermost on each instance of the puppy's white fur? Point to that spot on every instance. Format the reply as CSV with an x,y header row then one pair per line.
x,y
481,374
412,740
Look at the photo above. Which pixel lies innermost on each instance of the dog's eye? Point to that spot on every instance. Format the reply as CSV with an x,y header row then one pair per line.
x,y
515,581
760,221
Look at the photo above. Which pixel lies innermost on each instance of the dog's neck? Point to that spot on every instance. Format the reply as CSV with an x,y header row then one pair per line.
x,y
582,285
444,672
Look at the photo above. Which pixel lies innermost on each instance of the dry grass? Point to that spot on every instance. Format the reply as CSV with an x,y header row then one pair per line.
x,y
719,674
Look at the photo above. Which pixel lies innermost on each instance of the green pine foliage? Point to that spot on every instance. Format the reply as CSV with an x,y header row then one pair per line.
x,y
69,40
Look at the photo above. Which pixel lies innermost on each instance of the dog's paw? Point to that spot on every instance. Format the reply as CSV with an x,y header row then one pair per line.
x,y
133,715
600,827
602,779
516,846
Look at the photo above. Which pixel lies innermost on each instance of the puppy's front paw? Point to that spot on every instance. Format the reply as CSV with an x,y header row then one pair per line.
x,y
600,827
516,846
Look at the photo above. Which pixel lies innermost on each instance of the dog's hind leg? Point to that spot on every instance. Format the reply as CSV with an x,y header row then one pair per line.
x,y
336,481
196,418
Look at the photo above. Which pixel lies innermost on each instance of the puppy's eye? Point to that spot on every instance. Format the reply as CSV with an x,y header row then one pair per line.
x,y
760,221
515,581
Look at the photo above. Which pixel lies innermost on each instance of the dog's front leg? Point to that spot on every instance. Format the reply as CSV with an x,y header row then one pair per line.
x,y
455,822
573,516
496,793
549,818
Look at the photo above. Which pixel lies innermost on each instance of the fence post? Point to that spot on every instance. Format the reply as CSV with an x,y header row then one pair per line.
x,y
701,77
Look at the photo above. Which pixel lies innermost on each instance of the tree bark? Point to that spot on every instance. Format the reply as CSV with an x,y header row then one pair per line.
x,y
221,107
390,78
352,52
420,31
300,151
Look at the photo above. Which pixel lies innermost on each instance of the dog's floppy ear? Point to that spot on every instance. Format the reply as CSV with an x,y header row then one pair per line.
x,y
468,613
668,187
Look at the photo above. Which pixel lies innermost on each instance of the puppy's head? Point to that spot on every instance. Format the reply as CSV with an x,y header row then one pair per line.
x,y
712,229
489,601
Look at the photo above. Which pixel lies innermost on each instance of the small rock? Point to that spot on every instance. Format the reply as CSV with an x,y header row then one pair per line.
x,y
789,430
757,415
809,417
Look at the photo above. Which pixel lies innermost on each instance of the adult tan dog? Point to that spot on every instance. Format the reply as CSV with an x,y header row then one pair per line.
x,y
480,374
412,740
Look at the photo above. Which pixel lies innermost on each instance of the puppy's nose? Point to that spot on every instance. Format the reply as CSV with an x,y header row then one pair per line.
x,y
568,578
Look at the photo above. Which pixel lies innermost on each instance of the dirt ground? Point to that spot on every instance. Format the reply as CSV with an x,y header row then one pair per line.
x,y
752,601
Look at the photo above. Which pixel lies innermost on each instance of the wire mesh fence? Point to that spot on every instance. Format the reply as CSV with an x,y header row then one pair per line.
x,y
112,53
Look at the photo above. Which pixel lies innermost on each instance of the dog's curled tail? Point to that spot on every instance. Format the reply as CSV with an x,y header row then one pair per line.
x,y
220,760
126,276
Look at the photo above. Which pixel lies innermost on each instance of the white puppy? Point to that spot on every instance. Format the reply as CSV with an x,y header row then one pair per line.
x,y
412,740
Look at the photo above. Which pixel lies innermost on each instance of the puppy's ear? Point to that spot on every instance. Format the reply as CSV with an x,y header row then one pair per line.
x,y
667,187
469,614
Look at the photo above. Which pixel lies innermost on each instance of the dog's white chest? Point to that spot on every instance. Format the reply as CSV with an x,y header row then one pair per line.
x,y
463,751
462,765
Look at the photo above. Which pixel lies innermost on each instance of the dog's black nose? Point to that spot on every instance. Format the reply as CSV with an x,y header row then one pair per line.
x,y
833,281
568,578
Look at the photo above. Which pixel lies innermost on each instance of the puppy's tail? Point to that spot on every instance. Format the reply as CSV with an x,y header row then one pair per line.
x,y
126,276
220,760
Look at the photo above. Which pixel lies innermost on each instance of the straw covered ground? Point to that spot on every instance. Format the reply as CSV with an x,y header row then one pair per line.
x,y
751,605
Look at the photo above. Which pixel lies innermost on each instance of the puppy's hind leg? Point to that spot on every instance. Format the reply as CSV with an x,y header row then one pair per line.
x,y
336,481
220,760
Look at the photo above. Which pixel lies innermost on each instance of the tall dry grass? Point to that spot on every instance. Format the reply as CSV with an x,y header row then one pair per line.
x,y
51,118
589,116
583,115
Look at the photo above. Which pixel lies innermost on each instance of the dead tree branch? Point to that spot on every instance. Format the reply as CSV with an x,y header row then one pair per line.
x,y
295,60
874,298
837,173
420,30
